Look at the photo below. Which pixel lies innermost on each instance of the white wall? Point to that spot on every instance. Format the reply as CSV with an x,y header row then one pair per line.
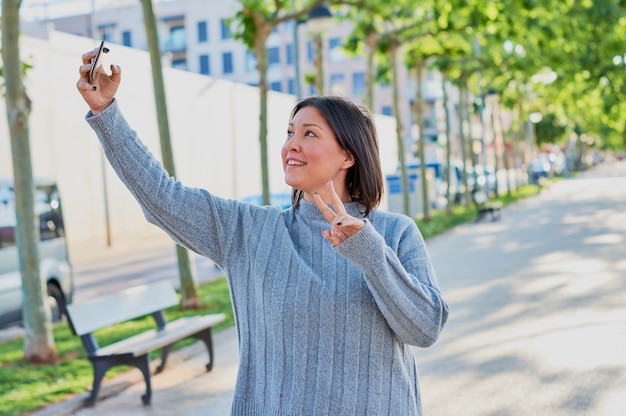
x,y
213,127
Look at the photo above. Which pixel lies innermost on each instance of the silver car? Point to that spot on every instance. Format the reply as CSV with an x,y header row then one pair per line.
x,y
55,267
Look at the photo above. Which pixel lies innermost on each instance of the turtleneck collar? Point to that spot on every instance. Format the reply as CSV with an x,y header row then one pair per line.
x,y
310,210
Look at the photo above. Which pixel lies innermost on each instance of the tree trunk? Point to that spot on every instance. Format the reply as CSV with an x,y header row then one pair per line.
x,y
474,155
370,81
463,93
448,146
260,50
318,63
496,153
186,268
505,152
419,116
393,70
38,341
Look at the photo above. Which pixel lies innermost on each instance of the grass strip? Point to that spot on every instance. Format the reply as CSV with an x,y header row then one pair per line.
x,y
27,387
441,221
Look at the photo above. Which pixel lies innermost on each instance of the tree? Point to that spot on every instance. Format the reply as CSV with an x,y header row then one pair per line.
x,y
384,28
256,20
38,342
549,130
188,280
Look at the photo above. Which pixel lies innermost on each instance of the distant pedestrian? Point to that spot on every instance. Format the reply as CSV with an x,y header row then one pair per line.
x,y
329,294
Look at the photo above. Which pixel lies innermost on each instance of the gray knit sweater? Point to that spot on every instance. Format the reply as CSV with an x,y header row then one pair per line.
x,y
322,330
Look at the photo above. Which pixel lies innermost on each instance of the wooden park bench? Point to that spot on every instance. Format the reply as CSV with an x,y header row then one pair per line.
x,y
484,206
151,299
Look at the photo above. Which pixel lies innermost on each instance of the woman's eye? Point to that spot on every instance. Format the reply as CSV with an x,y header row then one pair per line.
x,y
309,133
289,133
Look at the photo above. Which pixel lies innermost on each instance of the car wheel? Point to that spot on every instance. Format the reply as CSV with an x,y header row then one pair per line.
x,y
56,302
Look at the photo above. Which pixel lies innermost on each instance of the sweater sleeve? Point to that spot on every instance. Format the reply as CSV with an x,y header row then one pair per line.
x,y
193,217
402,281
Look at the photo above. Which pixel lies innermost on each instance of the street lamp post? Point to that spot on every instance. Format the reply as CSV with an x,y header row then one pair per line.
x,y
318,22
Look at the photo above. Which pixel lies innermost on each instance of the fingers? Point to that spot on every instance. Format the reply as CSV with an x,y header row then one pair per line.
x,y
116,73
84,69
87,59
83,81
99,93
342,225
342,230
88,56
334,200
329,214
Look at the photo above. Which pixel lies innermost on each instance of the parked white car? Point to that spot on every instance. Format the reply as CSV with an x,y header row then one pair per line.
x,y
55,267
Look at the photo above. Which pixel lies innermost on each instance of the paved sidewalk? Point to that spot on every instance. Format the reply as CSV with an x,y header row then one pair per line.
x,y
537,318
538,307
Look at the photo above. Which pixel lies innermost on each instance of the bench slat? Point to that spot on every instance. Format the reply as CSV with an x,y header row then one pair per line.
x,y
153,339
119,307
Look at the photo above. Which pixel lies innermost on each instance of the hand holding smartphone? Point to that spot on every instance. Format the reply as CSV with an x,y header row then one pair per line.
x,y
101,49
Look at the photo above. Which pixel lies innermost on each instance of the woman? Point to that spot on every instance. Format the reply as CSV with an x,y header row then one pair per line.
x,y
324,329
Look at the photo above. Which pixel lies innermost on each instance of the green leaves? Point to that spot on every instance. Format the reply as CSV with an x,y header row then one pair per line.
x,y
578,42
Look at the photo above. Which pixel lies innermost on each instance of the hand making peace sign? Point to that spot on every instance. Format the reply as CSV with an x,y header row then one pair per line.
x,y
342,224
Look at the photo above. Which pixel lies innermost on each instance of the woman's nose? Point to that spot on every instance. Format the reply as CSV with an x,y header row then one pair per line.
x,y
293,142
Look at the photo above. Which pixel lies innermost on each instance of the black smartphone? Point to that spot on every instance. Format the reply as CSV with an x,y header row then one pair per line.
x,y
95,62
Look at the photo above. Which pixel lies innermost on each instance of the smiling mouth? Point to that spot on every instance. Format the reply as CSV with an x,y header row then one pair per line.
x,y
295,163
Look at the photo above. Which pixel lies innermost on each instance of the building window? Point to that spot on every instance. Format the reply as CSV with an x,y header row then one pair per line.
x,y
179,63
273,56
177,41
387,110
291,86
338,84
335,53
225,29
106,31
250,61
276,86
205,65
203,32
127,38
290,54
358,84
227,63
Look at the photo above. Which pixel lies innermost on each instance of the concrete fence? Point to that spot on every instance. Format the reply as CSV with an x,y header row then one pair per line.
x,y
213,125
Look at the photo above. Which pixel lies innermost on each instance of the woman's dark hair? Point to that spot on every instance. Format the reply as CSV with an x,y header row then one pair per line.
x,y
354,128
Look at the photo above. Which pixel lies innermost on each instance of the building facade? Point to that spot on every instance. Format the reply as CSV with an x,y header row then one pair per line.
x,y
197,36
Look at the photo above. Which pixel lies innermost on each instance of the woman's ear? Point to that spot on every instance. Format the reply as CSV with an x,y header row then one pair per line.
x,y
348,162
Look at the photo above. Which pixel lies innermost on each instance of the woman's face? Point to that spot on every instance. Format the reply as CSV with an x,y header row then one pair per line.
x,y
312,156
